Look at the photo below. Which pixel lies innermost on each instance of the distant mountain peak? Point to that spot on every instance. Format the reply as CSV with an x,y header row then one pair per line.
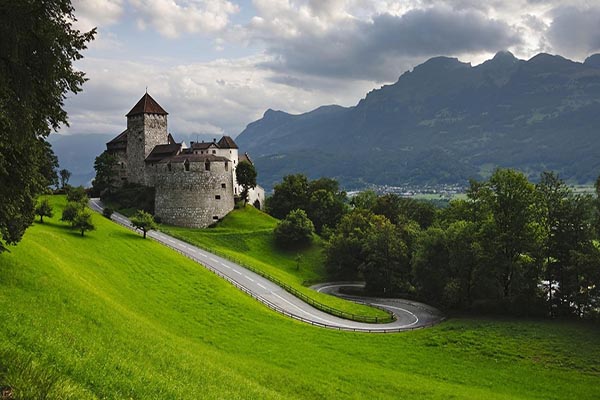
x,y
505,56
441,63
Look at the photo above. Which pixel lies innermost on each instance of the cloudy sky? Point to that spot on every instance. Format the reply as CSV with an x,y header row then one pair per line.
x,y
217,65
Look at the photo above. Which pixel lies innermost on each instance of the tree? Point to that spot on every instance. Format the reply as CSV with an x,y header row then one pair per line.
x,y
76,194
344,251
37,48
44,209
510,228
143,221
290,194
104,165
83,221
365,200
245,174
295,230
387,267
65,175
70,211
48,166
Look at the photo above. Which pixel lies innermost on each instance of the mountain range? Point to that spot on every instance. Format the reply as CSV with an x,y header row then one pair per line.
x,y
444,122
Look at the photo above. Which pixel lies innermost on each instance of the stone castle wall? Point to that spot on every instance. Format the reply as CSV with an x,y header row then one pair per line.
x,y
144,132
195,198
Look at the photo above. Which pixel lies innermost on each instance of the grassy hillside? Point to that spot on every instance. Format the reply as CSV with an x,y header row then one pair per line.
x,y
246,235
113,316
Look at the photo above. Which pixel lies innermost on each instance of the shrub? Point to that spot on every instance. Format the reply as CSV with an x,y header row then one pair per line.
x,y
70,211
295,230
76,194
108,212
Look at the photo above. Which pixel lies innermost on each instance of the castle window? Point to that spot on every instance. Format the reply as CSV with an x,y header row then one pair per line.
x,y
122,165
218,197
207,166
223,186
186,165
216,217
226,166
214,152
169,166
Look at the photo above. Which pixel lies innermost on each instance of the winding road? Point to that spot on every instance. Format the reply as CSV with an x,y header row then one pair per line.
x,y
409,315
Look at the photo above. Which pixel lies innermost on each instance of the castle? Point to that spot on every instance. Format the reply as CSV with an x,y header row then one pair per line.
x,y
195,186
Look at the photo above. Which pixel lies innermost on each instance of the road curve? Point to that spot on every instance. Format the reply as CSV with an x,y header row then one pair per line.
x,y
409,315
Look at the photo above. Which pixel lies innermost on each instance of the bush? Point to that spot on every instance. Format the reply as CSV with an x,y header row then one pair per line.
x,y
76,194
70,211
108,212
295,230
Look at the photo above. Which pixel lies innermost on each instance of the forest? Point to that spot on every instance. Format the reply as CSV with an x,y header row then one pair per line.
x,y
511,247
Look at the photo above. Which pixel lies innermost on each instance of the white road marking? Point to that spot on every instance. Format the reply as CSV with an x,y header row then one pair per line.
x,y
261,286
250,279
236,271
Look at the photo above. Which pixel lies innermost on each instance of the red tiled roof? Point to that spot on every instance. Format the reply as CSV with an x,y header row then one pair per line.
x,y
147,105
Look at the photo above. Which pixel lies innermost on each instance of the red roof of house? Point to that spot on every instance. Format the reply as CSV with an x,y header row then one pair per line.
x,y
147,105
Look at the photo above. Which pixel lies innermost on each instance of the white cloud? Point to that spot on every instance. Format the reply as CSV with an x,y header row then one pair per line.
x,y
97,13
171,18
216,97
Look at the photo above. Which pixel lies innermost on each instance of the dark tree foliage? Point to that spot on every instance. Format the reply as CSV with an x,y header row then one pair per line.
x,y
43,209
294,230
77,194
49,166
37,48
245,174
344,251
64,175
322,199
104,182
387,263
511,247
70,211
290,194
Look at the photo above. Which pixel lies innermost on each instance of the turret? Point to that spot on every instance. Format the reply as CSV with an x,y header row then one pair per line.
x,y
146,128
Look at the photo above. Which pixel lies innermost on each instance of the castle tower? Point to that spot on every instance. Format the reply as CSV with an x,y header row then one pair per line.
x,y
146,128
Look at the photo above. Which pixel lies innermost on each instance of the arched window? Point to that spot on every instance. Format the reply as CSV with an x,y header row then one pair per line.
x,y
186,165
226,166
207,166
169,166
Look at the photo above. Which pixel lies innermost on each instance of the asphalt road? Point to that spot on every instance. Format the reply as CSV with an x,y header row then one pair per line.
x,y
409,315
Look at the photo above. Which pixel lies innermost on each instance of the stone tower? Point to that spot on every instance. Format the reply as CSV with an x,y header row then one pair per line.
x,y
146,128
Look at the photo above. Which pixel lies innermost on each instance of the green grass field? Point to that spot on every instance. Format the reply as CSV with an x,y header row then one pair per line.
x,y
113,316
246,235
